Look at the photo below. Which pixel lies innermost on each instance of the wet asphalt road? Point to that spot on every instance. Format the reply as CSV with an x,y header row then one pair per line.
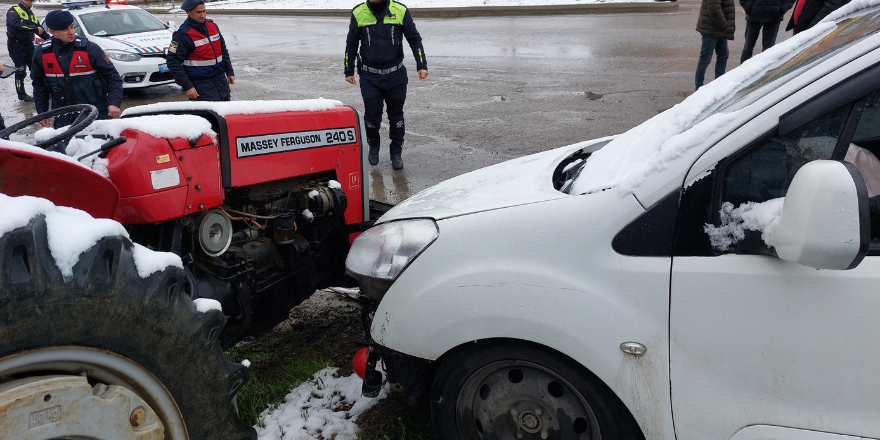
x,y
499,87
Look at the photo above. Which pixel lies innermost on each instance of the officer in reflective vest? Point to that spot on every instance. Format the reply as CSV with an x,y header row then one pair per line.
x,y
197,56
72,70
21,27
378,27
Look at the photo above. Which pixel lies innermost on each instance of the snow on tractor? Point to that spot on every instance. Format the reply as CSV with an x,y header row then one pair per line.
x,y
259,200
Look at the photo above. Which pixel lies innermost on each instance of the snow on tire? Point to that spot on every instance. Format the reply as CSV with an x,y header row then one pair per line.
x,y
148,361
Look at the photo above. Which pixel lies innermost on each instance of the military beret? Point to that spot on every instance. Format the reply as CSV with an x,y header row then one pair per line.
x,y
57,20
189,5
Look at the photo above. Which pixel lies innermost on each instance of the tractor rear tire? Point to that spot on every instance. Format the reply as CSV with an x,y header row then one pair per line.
x,y
108,324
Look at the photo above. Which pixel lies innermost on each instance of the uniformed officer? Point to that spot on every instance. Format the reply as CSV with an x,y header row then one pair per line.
x,y
21,27
379,27
198,58
73,70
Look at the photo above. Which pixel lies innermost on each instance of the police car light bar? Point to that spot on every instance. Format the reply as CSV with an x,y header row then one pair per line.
x,y
115,2
79,3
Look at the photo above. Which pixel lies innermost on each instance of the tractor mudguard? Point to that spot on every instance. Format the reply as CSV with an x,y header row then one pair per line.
x,y
63,183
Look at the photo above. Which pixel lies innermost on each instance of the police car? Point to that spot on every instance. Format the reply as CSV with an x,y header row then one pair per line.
x,y
133,38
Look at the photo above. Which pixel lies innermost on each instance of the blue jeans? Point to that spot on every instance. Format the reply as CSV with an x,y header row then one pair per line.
x,y
711,44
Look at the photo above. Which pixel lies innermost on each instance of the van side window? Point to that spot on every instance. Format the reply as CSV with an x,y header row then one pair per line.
x,y
765,171
864,152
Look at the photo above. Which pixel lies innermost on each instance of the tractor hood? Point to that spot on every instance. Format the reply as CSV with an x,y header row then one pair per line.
x,y
519,181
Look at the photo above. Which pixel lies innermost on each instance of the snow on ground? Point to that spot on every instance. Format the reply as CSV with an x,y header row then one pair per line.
x,y
325,407
348,4
72,231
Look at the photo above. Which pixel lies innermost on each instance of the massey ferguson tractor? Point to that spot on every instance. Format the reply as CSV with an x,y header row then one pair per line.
x,y
260,201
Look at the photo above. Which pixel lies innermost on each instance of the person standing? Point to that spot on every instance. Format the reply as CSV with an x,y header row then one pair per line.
x,y
766,15
378,27
716,25
809,12
198,58
73,70
21,28
2,123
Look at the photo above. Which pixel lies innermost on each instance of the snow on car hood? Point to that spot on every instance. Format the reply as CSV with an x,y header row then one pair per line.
x,y
143,43
519,181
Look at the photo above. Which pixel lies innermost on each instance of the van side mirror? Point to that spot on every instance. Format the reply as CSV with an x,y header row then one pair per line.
x,y
825,220
171,25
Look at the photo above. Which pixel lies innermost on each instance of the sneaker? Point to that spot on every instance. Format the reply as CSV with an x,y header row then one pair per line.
x,y
396,162
373,156
26,98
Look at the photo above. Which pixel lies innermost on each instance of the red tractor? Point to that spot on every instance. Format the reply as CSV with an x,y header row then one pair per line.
x,y
260,200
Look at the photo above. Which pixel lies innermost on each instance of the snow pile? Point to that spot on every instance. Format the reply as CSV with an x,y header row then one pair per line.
x,y
205,304
37,150
316,410
79,147
72,231
650,147
159,126
748,216
237,107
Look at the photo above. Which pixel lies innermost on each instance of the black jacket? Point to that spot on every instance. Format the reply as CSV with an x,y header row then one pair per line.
x,y
76,89
765,11
380,38
717,18
814,11
19,30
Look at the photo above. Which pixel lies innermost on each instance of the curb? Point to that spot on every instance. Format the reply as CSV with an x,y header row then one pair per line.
x,y
471,11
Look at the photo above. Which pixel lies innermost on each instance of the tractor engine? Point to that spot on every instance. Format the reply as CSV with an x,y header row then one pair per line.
x,y
258,253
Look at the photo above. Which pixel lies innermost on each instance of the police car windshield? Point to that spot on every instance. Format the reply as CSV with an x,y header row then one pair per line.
x,y
107,23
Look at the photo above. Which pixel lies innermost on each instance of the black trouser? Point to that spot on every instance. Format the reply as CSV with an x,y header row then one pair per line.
x,y
377,91
768,39
22,55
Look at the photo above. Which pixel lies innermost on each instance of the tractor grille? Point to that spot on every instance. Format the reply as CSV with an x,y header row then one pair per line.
x,y
161,76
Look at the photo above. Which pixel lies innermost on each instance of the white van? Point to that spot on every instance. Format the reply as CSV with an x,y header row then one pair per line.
x,y
713,273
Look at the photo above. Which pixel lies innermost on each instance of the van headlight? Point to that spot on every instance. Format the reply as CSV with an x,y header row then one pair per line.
x,y
379,255
120,55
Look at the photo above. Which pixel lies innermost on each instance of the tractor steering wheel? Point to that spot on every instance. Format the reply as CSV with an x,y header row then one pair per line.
x,y
87,114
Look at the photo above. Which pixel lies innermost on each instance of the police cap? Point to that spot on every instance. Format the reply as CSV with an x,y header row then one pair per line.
x,y
189,5
57,20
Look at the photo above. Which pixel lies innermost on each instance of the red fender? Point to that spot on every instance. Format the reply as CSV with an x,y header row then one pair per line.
x,y
63,183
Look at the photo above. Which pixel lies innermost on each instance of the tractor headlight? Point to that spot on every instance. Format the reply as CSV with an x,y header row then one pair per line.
x,y
379,255
120,55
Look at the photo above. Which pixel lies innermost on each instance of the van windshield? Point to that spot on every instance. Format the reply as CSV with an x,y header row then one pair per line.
x,y
652,146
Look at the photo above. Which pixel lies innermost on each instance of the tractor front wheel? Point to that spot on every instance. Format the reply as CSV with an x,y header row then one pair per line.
x,y
107,354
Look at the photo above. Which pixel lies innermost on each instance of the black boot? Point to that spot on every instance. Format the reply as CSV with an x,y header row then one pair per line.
x,y
22,95
396,162
373,156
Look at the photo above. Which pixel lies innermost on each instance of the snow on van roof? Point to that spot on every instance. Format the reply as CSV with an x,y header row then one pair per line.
x,y
630,158
238,107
